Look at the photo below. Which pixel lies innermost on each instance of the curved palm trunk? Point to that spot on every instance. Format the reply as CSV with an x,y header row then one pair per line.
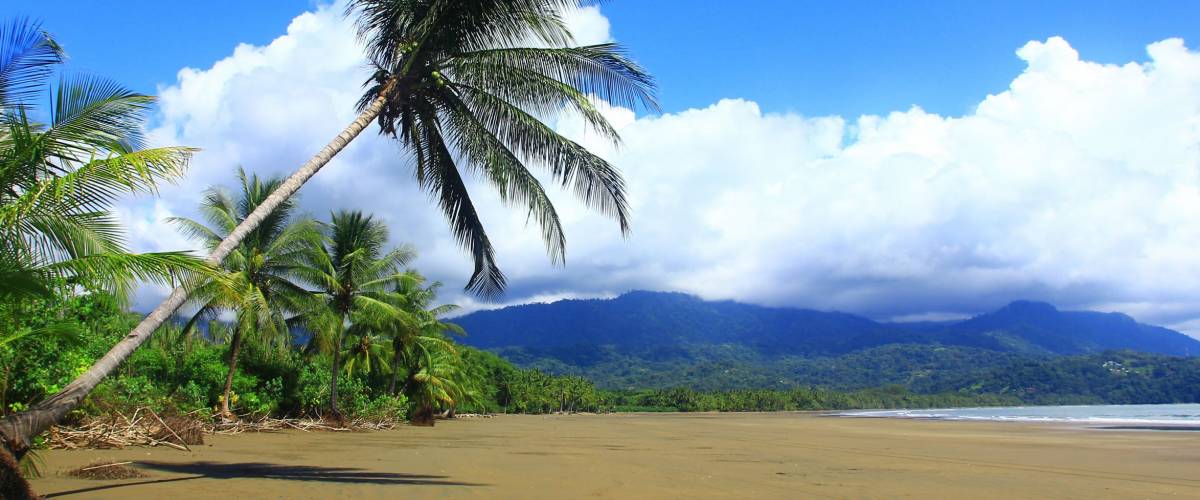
x,y
17,430
235,347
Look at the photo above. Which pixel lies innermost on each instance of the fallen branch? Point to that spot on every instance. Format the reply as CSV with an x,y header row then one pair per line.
x,y
114,464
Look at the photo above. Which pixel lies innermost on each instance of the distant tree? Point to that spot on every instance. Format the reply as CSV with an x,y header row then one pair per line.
x,y
365,352
420,328
354,275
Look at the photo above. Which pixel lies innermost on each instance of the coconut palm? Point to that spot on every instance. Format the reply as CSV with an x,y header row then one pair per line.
x,y
458,84
59,179
260,288
365,352
61,169
354,276
421,327
436,383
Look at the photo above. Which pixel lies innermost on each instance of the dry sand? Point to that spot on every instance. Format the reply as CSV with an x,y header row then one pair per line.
x,y
765,455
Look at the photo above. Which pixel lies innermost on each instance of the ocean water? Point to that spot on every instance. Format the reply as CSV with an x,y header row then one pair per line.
x,y
1132,416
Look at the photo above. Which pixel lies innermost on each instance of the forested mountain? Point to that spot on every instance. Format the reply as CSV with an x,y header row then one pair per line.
x,y
659,324
1037,327
655,339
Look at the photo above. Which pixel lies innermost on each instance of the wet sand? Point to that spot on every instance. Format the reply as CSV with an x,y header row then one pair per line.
x,y
765,455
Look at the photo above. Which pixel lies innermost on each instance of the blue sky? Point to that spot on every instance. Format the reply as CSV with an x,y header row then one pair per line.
x,y
1055,155
813,58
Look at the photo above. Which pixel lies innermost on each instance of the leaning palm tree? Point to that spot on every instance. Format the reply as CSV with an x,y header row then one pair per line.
x,y
61,170
455,83
353,274
260,288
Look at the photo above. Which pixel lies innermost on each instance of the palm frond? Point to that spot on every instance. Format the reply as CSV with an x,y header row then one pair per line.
x,y
506,172
438,174
94,112
117,272
28,56
596,182
601,69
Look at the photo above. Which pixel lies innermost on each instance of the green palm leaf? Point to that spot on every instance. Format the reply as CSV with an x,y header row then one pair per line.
x,y
28,56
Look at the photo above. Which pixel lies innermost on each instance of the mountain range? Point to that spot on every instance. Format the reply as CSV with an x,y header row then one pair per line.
x,y
646,321
648,339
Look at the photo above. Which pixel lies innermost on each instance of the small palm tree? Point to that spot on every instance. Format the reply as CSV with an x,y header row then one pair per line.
x,y
436,383
354,276
365,352
260,288
421,327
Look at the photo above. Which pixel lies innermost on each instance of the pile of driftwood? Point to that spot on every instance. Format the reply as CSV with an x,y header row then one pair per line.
x,y
105,469
144,427
266,424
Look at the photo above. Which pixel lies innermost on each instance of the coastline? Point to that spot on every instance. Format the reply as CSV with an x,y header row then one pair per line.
x,y
704,455
1144,417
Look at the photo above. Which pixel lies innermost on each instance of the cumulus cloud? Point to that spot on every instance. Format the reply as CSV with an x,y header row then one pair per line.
x,y
1076,185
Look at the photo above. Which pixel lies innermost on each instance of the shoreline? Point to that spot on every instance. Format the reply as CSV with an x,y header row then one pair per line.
x,y
702,455
1142,417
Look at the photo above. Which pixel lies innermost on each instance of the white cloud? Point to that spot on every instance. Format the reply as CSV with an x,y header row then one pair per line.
x,y
1078,185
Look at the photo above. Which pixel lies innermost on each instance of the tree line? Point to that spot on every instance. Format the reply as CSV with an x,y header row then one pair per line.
x,y
187,372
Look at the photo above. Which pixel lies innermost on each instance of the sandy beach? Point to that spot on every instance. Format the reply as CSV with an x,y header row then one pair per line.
x,y
766,455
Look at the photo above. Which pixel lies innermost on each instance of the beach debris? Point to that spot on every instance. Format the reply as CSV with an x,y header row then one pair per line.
x,y
189,427
266,424
105,469
144,427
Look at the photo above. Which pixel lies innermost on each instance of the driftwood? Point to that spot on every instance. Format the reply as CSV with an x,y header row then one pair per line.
x,y
146,428
267,424
172,431
143,428
105,469
114,464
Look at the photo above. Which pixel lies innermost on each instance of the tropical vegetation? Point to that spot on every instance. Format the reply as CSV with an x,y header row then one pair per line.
x,y
260,289
62,166
463,86
289,316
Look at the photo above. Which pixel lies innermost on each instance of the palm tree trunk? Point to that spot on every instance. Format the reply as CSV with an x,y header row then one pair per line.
x,y
17,430
395,373
337,367
235,346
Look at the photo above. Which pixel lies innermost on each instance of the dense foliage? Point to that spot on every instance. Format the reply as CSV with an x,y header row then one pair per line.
x,y
1112,377
1115,377
799,399
728,367
182,373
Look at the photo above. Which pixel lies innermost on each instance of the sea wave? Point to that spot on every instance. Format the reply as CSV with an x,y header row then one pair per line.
x,y
1106,415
